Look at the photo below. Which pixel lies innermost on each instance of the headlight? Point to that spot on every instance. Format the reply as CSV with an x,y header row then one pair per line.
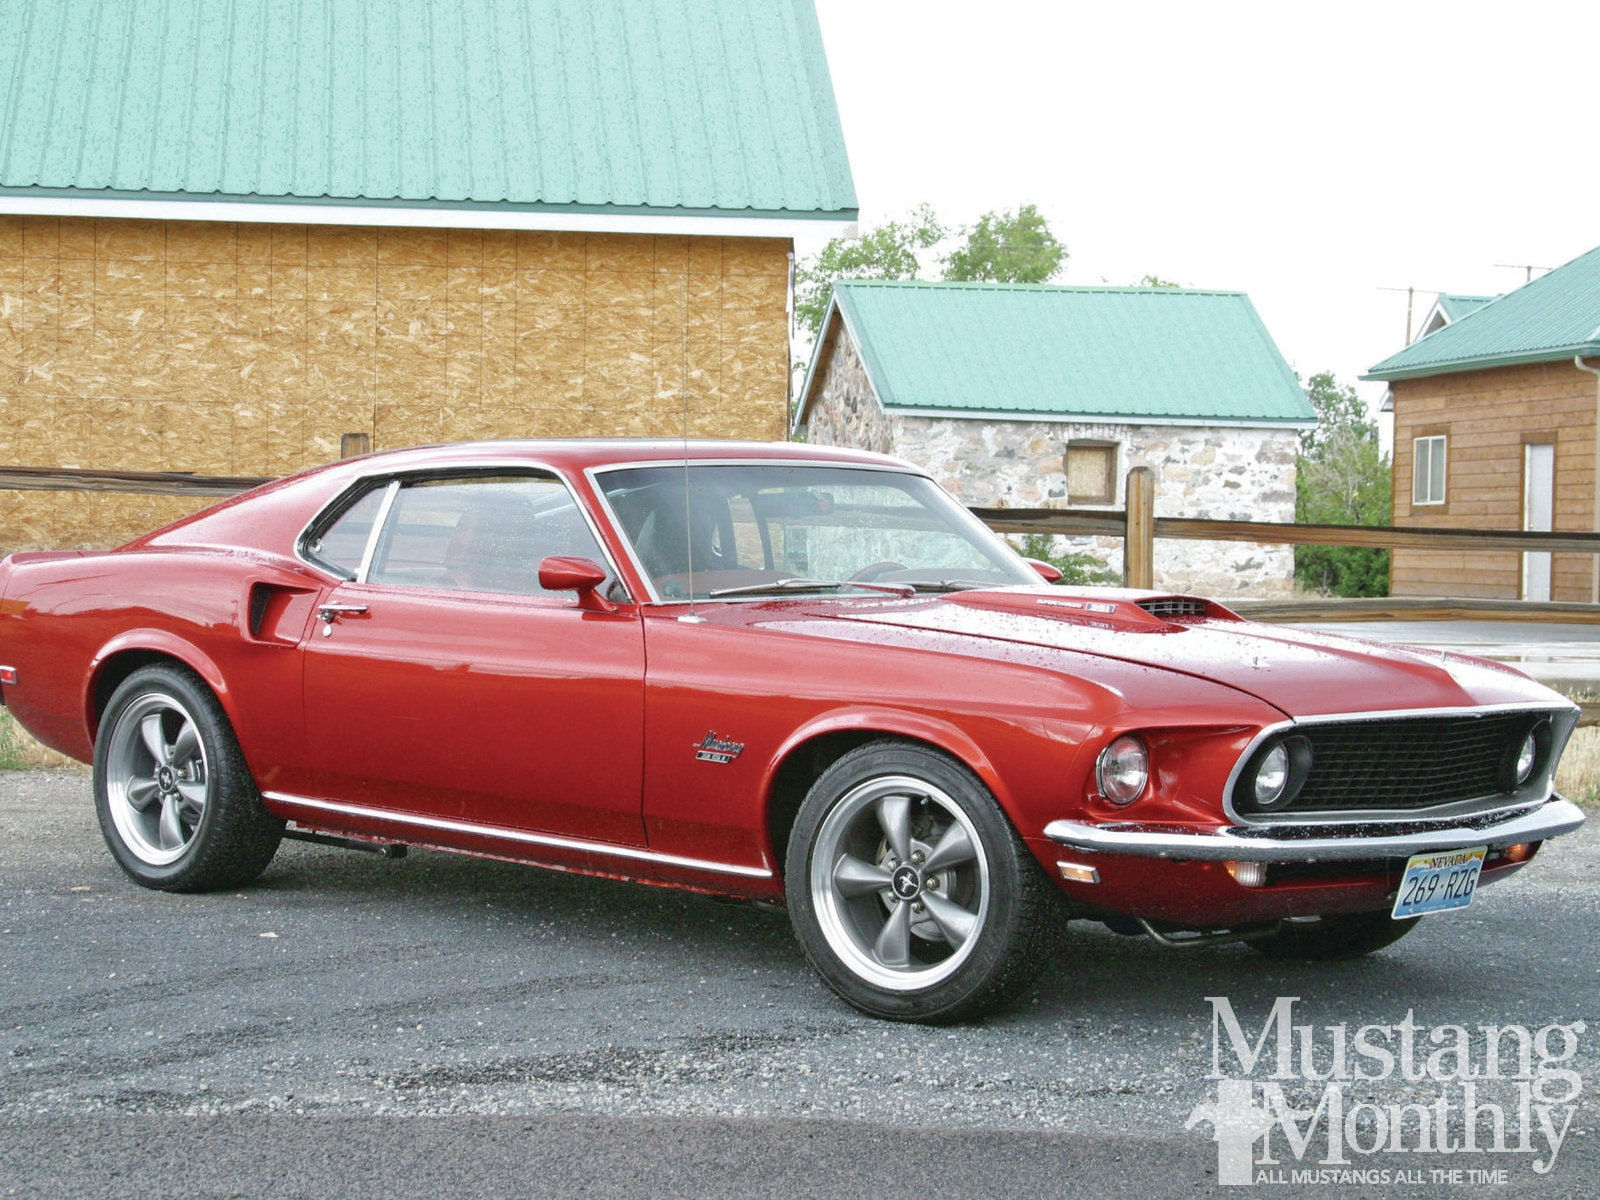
x,y
1524,756
1527,758
1274,776
1123,770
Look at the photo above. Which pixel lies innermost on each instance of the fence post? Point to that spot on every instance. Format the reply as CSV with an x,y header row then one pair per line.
x,y
353,444
1139,537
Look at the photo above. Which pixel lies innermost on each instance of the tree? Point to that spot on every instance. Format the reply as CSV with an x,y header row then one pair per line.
x,y
1076,566
1006,247
1155,281
1343,479
887,251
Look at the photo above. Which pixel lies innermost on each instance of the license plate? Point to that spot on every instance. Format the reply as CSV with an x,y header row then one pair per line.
x,y
1439,882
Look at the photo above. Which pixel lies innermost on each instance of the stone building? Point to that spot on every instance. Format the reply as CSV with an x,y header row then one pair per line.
x,y
232,234
1032,396
1494,428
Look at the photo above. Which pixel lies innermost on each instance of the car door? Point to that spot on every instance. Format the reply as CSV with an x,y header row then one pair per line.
x,y
445,683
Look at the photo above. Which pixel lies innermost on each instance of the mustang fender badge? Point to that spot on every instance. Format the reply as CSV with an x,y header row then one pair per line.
x,y
713,749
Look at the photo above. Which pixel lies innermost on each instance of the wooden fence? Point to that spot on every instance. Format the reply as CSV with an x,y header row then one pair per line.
x,y
1137,525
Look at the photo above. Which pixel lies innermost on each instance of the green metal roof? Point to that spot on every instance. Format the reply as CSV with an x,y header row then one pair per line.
x,y
1554,317
687,106
1013,351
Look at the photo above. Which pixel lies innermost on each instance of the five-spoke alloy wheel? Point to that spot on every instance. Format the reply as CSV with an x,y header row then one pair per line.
x,y
908,888
176,803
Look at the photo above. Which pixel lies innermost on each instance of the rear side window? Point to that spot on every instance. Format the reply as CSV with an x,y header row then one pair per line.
x,y
341,543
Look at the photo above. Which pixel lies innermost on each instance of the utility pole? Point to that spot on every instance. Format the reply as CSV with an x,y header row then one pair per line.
x,y
1411,294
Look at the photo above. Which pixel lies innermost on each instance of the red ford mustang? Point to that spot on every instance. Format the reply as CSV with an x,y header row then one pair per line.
x,y
768,671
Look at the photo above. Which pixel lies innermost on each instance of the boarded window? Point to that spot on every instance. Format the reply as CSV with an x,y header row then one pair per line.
x,y
1427,470
1091,472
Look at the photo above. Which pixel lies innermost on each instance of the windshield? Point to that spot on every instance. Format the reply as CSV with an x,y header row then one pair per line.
x,y
785,528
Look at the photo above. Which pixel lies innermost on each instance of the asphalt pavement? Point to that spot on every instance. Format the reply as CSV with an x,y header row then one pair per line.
x,y
443,1026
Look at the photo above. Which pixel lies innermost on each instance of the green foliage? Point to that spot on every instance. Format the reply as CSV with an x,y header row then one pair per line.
x,y
10,745
1075,566
1343,479
1006,247
1155,281
887,251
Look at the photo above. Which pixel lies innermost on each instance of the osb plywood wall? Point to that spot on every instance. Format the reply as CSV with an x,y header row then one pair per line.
x,y
249,349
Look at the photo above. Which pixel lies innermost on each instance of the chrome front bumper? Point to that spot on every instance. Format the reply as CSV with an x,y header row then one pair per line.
x,y
1290,843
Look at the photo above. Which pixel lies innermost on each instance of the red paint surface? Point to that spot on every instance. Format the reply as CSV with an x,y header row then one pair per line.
x,y
540,715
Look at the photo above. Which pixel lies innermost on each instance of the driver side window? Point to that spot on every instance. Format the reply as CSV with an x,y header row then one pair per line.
x,y
485,533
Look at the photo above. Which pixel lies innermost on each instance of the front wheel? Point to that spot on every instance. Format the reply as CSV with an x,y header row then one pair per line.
x,y
176,802
1333,937
909,890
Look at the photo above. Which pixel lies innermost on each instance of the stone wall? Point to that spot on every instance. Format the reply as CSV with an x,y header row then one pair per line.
x,y
1201,471
240,349
847,412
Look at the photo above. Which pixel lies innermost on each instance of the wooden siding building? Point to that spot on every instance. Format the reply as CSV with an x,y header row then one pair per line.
x,y
1495,418
541,218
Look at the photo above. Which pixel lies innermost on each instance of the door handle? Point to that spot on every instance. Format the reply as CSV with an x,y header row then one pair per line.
x,y
328,613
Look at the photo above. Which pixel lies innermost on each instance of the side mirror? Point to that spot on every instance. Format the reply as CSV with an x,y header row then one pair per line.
x,y
564,573
1045,571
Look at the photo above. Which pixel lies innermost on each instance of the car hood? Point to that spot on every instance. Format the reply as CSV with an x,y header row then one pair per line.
x,y
1299,673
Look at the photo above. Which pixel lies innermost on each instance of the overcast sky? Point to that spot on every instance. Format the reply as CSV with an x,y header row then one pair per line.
x,y
1308,154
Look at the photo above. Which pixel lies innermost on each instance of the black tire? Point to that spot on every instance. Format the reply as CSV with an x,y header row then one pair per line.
x,y
1333,937
952,922
176,803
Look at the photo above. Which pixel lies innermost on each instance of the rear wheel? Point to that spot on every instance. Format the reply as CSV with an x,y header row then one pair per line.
x,y
176,803
909,890
1339,935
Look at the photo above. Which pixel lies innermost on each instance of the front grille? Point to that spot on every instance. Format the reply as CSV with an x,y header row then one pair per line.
x,y
1167,607
1406,764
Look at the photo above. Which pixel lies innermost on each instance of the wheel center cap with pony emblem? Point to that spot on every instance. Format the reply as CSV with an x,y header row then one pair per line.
x,y
906,882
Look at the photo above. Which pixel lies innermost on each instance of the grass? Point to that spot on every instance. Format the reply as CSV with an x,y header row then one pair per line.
x,y
1579,775
19,751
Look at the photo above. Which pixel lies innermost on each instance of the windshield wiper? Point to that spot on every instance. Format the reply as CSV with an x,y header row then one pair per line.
x,y
798,584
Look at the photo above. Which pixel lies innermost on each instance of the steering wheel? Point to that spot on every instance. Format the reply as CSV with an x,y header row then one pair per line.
x,y
873,570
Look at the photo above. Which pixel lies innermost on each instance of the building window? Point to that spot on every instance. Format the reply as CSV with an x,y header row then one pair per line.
x,y
1427,470
1091,472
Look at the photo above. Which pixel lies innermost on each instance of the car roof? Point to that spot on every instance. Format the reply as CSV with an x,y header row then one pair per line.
x,y
580,454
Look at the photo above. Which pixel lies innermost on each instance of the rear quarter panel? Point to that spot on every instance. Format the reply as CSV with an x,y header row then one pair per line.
x,y
73,625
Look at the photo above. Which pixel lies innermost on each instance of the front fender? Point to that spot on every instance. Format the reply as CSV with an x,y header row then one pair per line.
x,y
891,722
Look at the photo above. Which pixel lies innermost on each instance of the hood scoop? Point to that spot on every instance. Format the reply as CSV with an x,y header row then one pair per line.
x,y
1176,608
1105,608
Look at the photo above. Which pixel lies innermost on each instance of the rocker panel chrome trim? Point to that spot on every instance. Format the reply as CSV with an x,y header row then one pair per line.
x,y
553,841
